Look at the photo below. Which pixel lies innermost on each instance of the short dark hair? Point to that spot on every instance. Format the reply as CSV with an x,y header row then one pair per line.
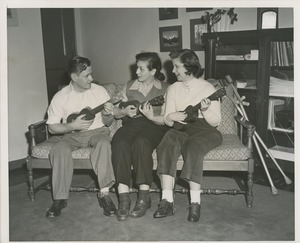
x,y
78,64
190,61
154,62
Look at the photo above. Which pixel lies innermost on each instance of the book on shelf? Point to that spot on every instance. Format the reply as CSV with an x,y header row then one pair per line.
x,y
290,52
273,54
284,56
278,56
282,53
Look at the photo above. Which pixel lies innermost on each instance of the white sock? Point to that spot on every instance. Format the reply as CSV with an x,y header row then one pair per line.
x,y
122,188
195,196
168,195
104,191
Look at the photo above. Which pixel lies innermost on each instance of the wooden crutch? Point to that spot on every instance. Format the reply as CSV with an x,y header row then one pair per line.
x,y
273,188
256,135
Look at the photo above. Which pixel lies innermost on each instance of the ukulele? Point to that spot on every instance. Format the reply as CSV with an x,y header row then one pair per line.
x,y
88,112
192,111
157,101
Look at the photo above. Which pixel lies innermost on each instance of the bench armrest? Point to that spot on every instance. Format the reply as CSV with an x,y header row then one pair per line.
x,y
38,133
244,123
249,132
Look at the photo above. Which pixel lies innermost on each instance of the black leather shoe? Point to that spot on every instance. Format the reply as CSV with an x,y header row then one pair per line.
x,y
123,209
141,207
109,208
55,209
165,209
194,212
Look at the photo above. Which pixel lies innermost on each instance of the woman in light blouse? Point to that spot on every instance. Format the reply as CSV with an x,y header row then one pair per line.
x,y
197,139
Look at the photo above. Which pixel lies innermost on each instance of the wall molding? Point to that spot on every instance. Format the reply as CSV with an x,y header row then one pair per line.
x,y
16,164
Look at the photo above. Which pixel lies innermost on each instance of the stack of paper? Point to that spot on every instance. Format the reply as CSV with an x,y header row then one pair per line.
x,y
229,57
280,152
281,87
241,84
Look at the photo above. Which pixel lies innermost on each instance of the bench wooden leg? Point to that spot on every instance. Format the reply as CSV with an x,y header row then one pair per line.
x,y
30,185
30,179
249,194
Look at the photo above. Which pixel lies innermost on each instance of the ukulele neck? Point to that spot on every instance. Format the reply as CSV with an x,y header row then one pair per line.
x,y
97,109
211,97
198,106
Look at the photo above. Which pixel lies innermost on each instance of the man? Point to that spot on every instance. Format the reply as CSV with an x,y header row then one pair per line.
x,y
80,132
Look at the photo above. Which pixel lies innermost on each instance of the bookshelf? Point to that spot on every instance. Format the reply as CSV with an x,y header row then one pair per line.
x,y
280,134
228,53
261,61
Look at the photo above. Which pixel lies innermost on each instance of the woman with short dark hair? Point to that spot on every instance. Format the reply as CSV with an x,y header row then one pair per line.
x,y
194,140
134,143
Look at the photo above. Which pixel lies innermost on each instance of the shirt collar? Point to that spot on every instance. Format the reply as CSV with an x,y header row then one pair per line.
x,y
186,84
137,85
72,89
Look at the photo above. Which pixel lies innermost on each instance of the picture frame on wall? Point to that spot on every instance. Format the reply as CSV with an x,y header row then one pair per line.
x,y
197,9
267,18
168,13
12,17
170,38
197,28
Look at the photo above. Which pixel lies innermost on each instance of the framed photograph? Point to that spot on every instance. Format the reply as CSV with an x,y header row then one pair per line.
x,y
198,28
168,13
170,38
197,9
12,17
267,18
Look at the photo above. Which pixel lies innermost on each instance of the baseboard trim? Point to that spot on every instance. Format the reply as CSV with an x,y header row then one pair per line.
x,y
16,164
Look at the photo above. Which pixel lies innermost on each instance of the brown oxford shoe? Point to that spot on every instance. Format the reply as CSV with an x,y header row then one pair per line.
x,y
165,209
194,212
124,207
55,209
109,208
141,207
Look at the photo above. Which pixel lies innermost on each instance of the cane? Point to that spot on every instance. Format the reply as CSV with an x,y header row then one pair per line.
x,y
243,113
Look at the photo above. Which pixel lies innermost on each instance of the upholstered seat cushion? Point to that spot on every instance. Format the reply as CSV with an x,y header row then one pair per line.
x,y
42,150
230,149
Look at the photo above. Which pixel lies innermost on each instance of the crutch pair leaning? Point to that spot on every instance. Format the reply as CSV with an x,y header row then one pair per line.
x,y
239,105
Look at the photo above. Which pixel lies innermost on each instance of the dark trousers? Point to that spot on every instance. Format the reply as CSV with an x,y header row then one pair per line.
x,y
132,146
193,144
